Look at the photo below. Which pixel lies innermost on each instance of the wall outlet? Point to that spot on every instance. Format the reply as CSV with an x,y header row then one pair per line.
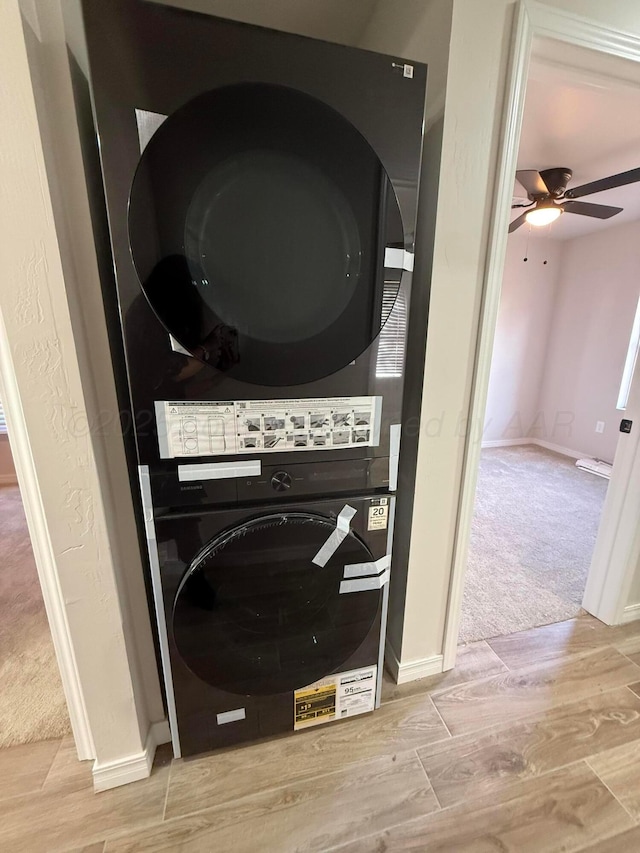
x,y
599,426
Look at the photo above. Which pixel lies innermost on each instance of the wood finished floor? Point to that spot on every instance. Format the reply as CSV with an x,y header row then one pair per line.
x,y
531,745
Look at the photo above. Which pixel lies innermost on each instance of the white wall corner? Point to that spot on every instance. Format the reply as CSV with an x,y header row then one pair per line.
x,y
411,670
631,614
131,768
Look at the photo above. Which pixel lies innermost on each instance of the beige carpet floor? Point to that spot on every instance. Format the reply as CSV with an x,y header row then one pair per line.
x,y
534,528
32,704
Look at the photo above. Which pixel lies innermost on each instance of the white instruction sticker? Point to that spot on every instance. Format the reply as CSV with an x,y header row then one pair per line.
x,y
378,514
214,428
335,697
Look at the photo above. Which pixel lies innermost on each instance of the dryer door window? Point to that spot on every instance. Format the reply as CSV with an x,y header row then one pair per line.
x,y
254,615
258,222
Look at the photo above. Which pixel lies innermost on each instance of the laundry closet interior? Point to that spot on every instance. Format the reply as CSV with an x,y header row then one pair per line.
x,y
260,191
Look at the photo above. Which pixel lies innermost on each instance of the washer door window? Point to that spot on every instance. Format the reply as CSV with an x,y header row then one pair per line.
x,y
258,220
255,616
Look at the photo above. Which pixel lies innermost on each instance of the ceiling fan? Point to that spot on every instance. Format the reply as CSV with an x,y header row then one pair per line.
x,y
549,197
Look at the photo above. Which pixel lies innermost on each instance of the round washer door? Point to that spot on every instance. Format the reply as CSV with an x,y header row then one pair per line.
x,y
258,221
254,615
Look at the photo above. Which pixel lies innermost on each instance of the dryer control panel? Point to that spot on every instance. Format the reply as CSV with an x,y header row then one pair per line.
x,y
227,484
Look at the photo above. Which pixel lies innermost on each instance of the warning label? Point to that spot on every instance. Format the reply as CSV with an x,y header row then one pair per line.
x,y
378,514
335,697
214,428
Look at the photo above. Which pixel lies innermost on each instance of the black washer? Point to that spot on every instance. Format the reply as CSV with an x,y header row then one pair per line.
x,y
254,615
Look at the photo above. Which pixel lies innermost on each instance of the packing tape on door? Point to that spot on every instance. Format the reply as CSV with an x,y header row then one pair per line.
x,y
231,716
394,455
365,584
329,548
374,567
398,259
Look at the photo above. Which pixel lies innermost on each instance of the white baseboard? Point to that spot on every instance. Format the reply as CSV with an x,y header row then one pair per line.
x,y
540,442
557,448
8,480
411,670
506,442
134,767
631,613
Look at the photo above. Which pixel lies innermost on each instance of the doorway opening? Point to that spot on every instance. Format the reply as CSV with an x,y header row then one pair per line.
x,y
563,356
32,700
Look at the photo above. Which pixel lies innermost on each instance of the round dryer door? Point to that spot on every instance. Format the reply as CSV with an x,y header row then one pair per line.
x,y
254,615
258,223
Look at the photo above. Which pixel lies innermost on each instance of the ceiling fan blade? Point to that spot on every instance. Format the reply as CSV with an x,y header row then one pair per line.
x,y
609,183
517,222
532,182
584,208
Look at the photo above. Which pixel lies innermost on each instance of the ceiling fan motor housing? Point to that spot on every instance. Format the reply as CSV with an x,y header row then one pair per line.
x,y
556,180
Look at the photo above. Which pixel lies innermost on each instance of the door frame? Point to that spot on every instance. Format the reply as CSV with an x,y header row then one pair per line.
x,y
612,569
43,552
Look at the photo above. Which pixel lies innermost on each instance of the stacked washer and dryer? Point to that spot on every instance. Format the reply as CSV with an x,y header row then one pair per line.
x,y
261,193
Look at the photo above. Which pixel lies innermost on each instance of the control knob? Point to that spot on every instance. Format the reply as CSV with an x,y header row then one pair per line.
x,y
281,481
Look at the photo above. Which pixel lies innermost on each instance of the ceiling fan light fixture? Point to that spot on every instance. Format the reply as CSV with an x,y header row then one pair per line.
x,y
543,213
546,187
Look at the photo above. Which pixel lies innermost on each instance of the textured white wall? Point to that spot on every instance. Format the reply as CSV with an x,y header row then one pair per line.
x,y
522,334
48,346
597,297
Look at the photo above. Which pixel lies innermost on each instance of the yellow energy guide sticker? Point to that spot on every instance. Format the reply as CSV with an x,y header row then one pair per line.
x,y
344,694
315,705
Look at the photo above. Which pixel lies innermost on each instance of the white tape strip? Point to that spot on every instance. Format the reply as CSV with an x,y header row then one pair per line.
x,y
365,584
156,582
395,431
163,433
339,534
398,259
219,470
377,421
176,347
358,570
231,716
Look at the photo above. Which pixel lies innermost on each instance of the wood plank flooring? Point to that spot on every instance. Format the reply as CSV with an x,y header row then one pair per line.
x,y
491,761
477,660
259,767
562,811
531,745
24,768
625,842
532,690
